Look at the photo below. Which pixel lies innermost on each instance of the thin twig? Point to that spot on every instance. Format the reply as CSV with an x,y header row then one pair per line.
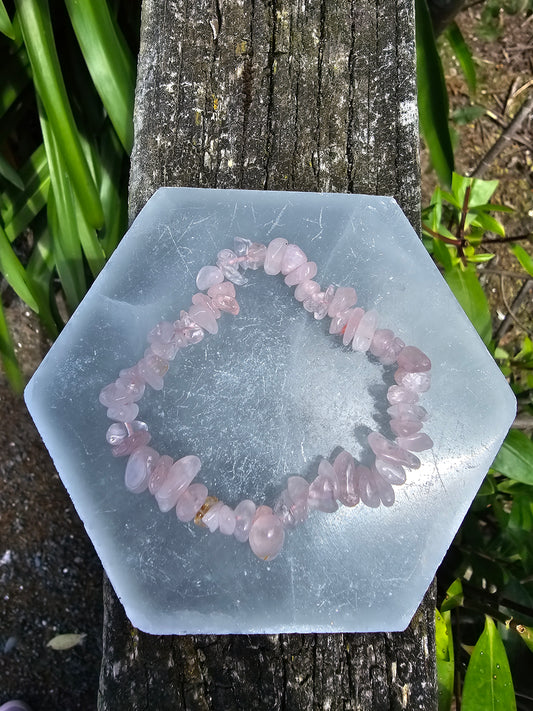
x,y
507,240
502,329
505,139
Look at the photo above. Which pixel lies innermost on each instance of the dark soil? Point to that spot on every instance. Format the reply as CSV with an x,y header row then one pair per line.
x,y
50,576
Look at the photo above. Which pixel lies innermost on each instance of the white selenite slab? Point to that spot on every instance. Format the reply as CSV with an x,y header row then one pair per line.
x,y
262,400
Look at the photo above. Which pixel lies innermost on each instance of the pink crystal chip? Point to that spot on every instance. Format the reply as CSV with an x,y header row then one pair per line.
x,y
413,360
139,468
266,536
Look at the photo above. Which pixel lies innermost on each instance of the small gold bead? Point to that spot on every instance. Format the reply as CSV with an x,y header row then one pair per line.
x,y
210,501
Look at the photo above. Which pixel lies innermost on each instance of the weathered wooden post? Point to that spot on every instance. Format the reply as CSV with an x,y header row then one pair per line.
x,y
274,95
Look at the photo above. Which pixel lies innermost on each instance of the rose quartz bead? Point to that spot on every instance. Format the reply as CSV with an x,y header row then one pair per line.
x,y
365,331
381,342
266,536
191,501
226,520
413,360
345,297
396,394
345,469
389,451
200,299
405,411
351,325
163,340
402,428
262,511
191,331
303,273
393,473
178,479
339,321
159,473
123,413
152,368
211,517
131,443
323,491
318,303
283,510
244,515
139,468
368,489
292,505
208,276
227,304
384,488
305,289
298,490
416,442
255,257
119,431
274,255
392,352
131,381
292,258
228,263
417,382
116,394
226,288
204,317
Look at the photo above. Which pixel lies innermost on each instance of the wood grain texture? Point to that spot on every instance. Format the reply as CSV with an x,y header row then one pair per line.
x,y
276,95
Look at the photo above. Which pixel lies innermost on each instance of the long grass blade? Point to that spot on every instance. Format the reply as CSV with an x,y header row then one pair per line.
x,y
113,191
8,357
36,25
463,54
20,208
66,246
109,61
10,174
15,274
6,27
432,96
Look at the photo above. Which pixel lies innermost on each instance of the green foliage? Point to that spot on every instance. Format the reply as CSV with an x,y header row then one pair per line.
x,y
491,26
432,96
66,128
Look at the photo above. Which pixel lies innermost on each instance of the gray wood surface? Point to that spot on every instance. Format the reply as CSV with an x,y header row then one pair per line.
x,y
274,95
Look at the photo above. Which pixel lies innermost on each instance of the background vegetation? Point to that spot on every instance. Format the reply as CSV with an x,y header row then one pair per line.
x,y
66,105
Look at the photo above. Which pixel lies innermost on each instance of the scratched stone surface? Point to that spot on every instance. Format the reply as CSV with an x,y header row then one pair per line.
x,y
262,400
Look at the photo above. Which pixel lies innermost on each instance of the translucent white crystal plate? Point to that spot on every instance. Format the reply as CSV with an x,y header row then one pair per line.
x,y
262,400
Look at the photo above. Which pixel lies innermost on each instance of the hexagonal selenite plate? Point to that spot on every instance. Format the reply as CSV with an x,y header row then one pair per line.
x,y
262,400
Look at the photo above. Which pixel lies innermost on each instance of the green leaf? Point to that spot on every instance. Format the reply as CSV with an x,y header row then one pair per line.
x,y
481,258
432,96
454,596
10,174
515,458
488,223
8,357
445,659
6,27
469,293
14,273
62,221
523,257
482,191
109,61
36,25
21,209
463,54
488,683
16,75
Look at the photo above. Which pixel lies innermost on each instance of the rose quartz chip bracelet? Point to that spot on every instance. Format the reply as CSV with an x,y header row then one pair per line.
x,y
344,481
